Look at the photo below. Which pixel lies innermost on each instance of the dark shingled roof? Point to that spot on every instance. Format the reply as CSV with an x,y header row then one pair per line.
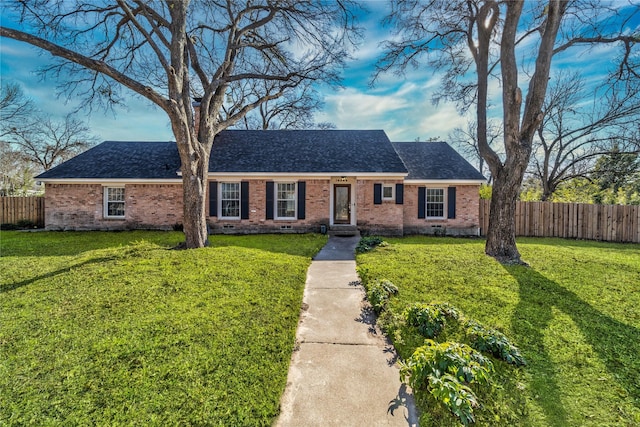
x,y
274,151
435,160
121,160
300,151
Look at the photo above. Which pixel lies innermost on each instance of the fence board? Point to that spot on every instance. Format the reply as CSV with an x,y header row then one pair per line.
x,y
16,209
612,223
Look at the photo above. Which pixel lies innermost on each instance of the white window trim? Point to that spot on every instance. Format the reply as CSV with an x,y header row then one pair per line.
x,y
444,203
393,191
220,185
105,202
295,201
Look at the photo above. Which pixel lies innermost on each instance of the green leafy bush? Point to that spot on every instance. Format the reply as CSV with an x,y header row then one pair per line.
x,y
458,398
494,342
379,292
367,243
363,273
446,370
430,319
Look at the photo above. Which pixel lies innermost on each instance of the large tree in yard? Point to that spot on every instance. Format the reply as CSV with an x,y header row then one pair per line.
x,y
512,44
574,132
172,51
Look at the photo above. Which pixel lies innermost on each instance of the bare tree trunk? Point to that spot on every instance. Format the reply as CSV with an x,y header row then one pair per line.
x,y
501,234
194,185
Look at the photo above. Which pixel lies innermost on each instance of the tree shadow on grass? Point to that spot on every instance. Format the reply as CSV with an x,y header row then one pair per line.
x,y
8,287
615,343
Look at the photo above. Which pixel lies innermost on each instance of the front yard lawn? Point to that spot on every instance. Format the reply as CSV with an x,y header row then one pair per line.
x,y
574,314
118,329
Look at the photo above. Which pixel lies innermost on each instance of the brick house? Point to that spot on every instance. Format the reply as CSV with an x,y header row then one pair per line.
x,y
272,181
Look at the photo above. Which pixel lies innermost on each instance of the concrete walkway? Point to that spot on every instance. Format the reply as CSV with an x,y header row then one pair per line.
x,y
343,373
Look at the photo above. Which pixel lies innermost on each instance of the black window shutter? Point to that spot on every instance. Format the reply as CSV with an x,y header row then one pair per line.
x,y
302,194
244,200
399,194
422,203
213,198
377,194
269,198
451,201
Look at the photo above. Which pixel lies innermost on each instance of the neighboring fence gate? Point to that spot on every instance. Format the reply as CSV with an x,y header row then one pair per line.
x,y
611,223
18,209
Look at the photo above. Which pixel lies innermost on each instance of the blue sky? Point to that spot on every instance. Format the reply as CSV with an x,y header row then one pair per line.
x,y
400,105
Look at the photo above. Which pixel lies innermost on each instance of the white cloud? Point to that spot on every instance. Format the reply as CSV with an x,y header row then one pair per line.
x,y
405,112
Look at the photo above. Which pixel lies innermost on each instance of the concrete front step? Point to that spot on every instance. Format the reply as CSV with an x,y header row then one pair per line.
x,y
343,230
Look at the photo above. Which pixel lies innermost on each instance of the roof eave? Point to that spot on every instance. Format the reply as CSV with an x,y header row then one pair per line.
x,y
446,181
310,174
110,180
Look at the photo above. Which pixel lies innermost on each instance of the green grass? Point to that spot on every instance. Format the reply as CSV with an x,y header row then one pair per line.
x,y
574,314
118,329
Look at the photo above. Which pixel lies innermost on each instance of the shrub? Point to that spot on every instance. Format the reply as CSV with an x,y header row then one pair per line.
x,y
493,342
23,224
378,294
458,398
367,243
26,223
446,370
430,319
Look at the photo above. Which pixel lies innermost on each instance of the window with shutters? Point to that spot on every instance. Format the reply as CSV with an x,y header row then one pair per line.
x,y
286,200
229,200
435,202
114,202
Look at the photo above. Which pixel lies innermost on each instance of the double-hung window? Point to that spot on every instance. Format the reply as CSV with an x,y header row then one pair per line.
x,y
230,200
286,200
114,202
435,202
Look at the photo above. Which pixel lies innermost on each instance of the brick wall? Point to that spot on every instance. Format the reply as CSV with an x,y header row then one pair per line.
x,y
153,205
385,218
467,213
159,206
80,207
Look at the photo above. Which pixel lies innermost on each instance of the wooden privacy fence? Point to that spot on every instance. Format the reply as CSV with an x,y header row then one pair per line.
x,y
611,223
15,209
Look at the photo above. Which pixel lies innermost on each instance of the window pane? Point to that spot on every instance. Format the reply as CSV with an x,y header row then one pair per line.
x,y
387,192
230,199
230,190
230,208
435,202
115,194
286,208
116,209
286,200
